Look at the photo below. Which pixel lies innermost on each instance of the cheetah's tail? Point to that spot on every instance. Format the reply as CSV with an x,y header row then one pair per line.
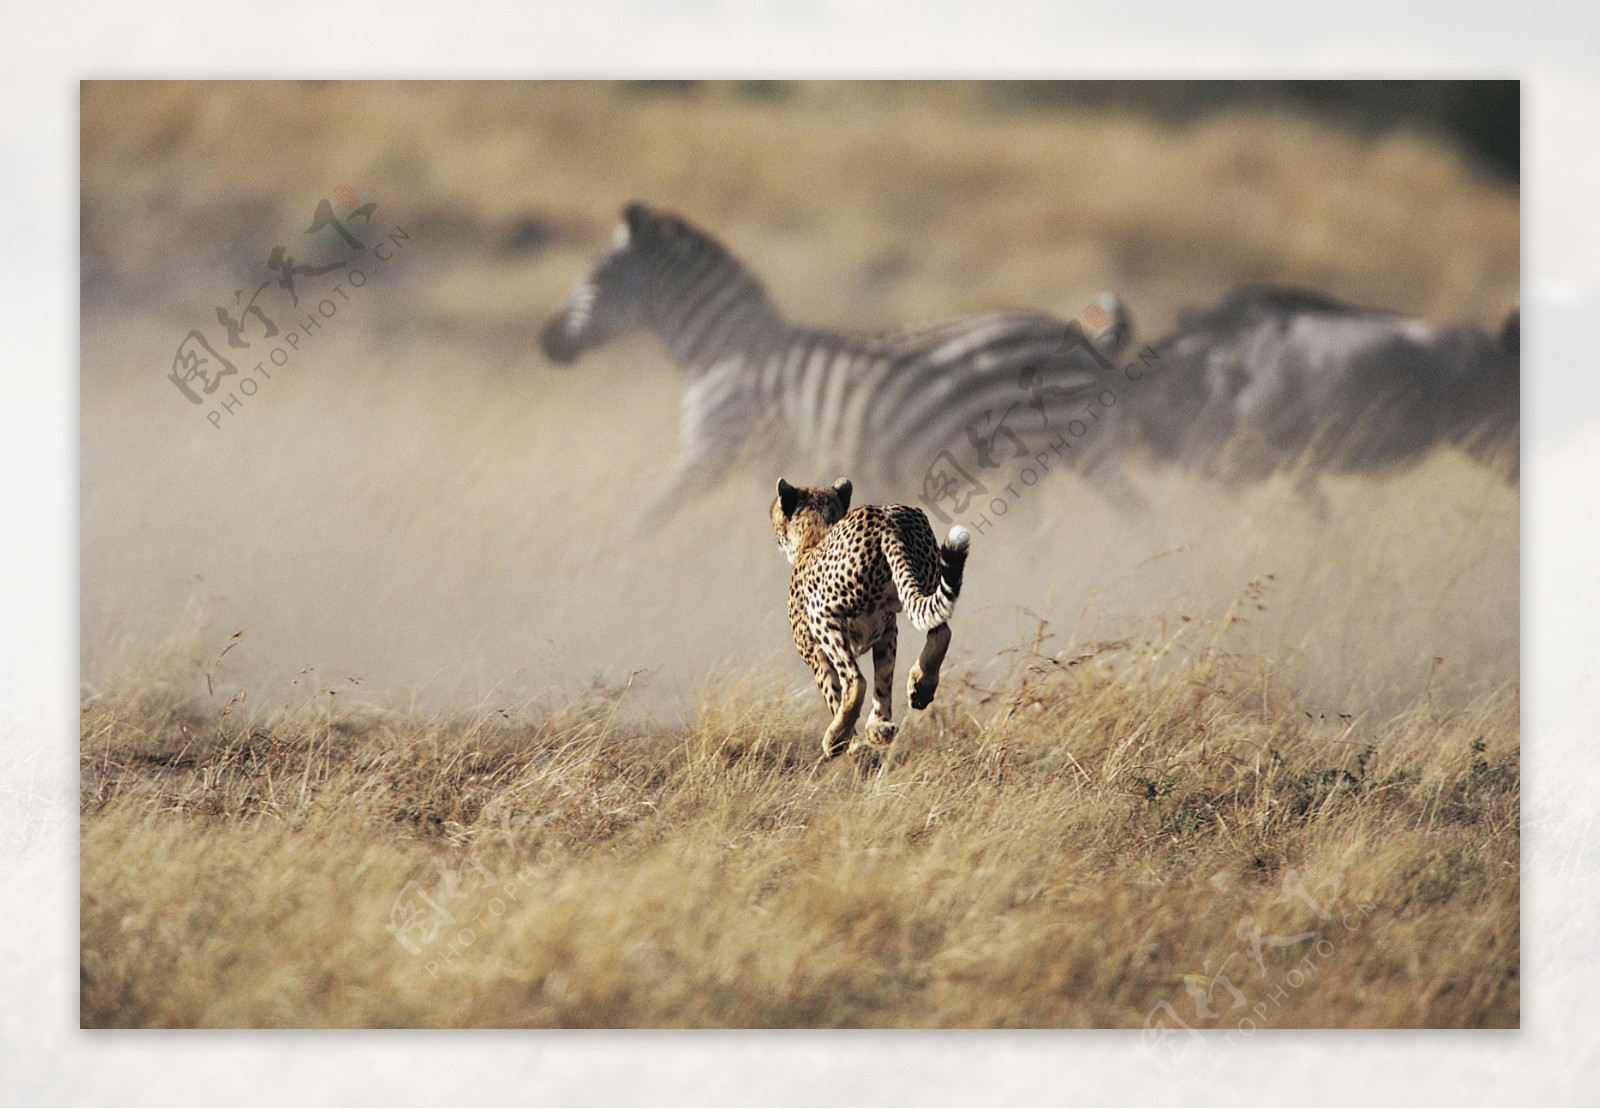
x,y
953,560
929,610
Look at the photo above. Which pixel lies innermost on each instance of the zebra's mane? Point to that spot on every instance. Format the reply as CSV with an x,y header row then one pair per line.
x,y
672,238
687,259
686,254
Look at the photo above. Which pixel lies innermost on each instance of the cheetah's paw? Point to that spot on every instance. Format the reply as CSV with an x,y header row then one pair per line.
x,y
881,733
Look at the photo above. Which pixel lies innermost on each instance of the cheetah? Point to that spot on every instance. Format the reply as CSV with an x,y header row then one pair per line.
x,y
853,571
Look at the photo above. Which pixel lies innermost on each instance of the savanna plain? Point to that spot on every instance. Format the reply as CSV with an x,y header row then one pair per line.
x,y
389,719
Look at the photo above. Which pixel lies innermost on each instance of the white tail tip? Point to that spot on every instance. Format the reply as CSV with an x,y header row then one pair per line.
x,y
959,538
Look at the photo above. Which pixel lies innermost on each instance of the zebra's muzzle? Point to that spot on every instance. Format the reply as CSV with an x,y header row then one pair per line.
x,y
558,343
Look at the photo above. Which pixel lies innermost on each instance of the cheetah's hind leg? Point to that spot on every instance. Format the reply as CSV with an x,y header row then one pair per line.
x,y
879,735
880,728
871,753
924,677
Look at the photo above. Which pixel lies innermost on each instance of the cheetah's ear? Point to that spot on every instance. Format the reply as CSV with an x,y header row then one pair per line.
x,y
788,497
843,487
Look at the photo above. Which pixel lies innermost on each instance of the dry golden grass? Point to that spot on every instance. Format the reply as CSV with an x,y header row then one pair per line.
x,y
1061,850
1242,696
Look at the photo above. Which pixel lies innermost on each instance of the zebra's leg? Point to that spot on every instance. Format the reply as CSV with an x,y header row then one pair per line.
x,y
692,478
880,729
716,420
1108,477
1104,468
833,644
1308,484
924,677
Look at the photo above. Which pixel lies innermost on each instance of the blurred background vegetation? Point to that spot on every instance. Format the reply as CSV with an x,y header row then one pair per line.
x,y
1481,118
860,203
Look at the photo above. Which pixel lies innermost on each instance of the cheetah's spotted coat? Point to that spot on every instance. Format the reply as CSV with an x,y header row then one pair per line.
x,y
852,574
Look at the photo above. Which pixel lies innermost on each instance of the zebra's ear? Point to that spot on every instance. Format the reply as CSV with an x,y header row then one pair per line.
x,y
637,217
788,497
843,488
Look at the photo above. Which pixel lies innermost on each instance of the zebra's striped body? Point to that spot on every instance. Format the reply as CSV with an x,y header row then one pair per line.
x,y
881,405
1274,378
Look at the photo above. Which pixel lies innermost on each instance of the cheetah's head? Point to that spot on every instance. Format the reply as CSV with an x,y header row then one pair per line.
x,y
802,516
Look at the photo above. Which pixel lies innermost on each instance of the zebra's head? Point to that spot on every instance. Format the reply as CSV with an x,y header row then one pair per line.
x,y
802,517
609,297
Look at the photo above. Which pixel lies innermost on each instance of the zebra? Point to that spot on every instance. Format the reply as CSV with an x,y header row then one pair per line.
x,y
886,406
1276,379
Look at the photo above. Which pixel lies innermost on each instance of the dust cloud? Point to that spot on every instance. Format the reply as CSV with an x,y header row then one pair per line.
x,y
458,533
